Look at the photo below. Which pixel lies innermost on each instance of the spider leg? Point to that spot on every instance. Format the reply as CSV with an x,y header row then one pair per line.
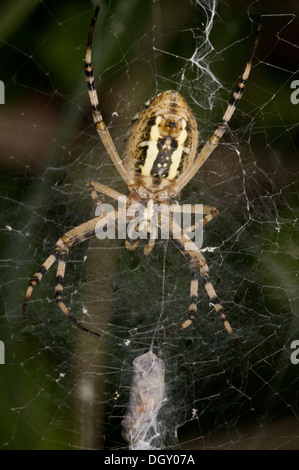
x,y
59,292
39,275
131,245
199,270
68,240
210,211
94,188
213,141
97,115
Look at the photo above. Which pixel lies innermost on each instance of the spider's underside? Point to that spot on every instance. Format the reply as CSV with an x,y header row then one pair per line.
x,y
159,159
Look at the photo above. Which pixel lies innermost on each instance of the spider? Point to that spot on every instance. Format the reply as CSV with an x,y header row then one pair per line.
x,y
159,159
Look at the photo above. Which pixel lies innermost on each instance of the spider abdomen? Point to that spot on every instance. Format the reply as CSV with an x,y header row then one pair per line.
x,y
161,142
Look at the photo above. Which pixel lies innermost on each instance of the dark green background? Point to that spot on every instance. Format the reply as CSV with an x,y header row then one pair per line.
x,y
49,150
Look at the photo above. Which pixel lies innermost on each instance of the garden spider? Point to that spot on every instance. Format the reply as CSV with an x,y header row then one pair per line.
x,y
159,160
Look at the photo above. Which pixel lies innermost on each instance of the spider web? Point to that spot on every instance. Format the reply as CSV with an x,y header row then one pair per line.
x,y
62,389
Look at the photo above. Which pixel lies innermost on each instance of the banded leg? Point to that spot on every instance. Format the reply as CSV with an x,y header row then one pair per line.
x,y
130,244
94,188
59,292
69,240
40,273
97,115
210,213
200,269
213,141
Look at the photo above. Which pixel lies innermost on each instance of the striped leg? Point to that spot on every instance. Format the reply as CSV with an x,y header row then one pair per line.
x,y
40,273
212,143
94,188
200,269
210,213
59,292
70,239
97,115
59,253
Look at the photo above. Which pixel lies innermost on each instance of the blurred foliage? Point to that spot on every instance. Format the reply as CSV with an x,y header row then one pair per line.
x,y
46,129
